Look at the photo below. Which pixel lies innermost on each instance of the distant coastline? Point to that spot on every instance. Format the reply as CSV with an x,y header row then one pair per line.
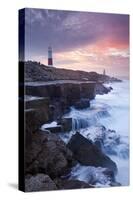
x,y
35,71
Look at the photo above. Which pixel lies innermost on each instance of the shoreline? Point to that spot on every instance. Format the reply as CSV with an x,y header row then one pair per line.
x,y
45,107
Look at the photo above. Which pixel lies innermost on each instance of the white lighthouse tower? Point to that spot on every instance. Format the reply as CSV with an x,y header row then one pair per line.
x,y
50,59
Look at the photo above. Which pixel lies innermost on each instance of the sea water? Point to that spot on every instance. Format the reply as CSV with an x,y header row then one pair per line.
x,y
117,104
111,111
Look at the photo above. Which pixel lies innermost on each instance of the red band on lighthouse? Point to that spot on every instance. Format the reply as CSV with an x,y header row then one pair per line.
x,y
50,59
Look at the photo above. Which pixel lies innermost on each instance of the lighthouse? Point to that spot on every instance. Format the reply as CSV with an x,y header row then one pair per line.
x,y
104,73
50,59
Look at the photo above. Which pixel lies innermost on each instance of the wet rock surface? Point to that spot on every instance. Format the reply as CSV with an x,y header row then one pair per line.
x,y
107,140
71,184
48,154
66,124
39,182
88,153
82,104
101,89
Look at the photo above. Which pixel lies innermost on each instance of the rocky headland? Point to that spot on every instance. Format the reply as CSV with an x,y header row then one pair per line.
x,y
35,71
49,161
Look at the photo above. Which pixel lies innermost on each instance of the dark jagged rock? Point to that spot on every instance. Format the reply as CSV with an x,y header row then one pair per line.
x,y
62,95
82,104
36,102
71,184
48,154
44,153
69,90
66,124
88,153
34,119
115,184
85,93
39,182
101,89
37,113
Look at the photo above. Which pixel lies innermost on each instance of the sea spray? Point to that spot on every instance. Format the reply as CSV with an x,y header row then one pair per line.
x,y
110,112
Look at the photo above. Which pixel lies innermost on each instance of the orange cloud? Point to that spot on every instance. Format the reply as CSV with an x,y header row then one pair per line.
x,y
112,56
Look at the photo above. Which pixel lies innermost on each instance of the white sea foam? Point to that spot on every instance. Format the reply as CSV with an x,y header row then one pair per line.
x,y
118,101
93,175
111,111
49,125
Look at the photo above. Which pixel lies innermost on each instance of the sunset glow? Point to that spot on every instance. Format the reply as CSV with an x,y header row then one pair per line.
x,y
80,40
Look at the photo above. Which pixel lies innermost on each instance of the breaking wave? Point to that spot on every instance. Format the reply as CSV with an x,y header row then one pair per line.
x,y
106,121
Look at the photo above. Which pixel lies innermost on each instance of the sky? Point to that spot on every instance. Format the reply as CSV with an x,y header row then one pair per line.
x,y
80,40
